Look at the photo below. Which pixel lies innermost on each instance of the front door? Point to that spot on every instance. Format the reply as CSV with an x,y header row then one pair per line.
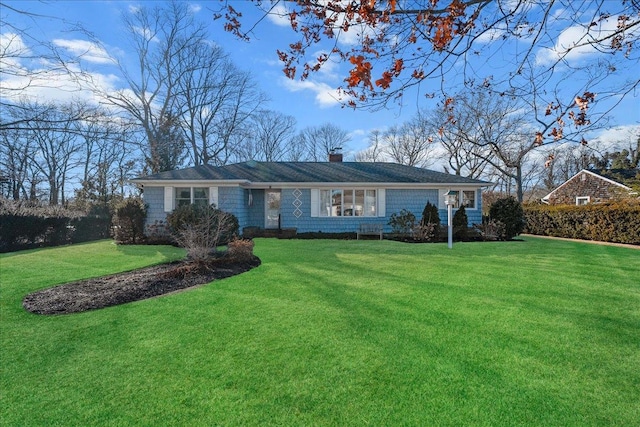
x,y
272,209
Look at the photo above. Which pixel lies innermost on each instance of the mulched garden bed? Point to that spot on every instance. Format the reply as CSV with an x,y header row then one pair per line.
x,y
100,292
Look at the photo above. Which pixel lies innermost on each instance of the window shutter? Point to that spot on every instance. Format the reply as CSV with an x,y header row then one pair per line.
x,y
213,196
168,199
315,202
382,202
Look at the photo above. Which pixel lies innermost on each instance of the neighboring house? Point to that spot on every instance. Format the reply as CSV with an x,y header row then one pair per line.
x,y
587,186
330,196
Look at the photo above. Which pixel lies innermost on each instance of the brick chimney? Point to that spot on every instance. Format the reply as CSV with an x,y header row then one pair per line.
x,y
335,155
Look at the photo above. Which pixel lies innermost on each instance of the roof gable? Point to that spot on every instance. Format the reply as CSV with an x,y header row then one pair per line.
x,y
576,176
311,172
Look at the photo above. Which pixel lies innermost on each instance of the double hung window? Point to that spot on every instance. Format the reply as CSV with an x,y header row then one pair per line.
x,y
192,195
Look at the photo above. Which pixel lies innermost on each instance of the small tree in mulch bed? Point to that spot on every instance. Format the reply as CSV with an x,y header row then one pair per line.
x,y
201,229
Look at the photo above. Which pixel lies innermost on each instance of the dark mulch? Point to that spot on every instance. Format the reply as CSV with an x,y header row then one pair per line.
x,y
134,285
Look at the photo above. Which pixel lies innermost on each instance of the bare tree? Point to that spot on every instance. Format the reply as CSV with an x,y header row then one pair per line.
x,y
374,152
497,126
185,94
29,62
16,152
52,151
159,38
269,136
394,46
217,100
319,141
410,143
562,162
107,158
463,157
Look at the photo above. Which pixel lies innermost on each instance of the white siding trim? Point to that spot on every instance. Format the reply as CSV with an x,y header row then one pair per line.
x,y
315,202
213,196
168,199
382,202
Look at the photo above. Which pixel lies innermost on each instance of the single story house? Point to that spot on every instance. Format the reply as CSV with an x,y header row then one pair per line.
x,y
330,197
587,186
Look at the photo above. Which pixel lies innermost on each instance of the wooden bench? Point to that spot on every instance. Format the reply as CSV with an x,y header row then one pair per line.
x,y
369,230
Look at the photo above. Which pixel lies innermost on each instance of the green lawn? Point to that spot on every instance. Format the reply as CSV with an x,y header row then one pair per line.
x,y
536,332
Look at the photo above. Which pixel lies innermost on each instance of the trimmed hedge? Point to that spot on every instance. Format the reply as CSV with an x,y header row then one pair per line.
x,y
18,232
613,222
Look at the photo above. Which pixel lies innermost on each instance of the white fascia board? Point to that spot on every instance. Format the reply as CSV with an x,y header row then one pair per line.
x,y
607,179
190,183
391,185
266,185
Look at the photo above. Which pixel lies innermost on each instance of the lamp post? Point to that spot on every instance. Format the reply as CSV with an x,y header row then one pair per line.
x,y
450,199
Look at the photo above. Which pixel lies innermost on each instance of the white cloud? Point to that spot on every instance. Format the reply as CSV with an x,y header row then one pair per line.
x,y
55,87
329,67
490,35
85,50
195,8
356,33
325,95
578,42
12,45
279,15
618,137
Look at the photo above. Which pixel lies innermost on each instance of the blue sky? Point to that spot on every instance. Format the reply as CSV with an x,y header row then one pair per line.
x,y
310,102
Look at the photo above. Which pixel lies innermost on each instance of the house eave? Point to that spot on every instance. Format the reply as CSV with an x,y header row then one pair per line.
x,y
266,185
190,182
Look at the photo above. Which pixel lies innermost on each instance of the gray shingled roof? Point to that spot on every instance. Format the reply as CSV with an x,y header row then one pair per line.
x,y
290,172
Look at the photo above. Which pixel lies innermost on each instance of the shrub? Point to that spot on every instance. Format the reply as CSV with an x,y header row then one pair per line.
x,y
612,222
403,222
201,229
240,249
158,233
510,213
491,229
426,233
460,224
129,221
191,215
430,215
90,228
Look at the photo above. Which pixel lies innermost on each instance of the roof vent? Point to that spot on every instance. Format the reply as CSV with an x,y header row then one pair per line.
x,y
335,155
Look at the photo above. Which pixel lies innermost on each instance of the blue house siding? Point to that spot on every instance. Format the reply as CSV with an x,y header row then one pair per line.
x,y
411,200
396,200
154,199
474,216
234,200
295,207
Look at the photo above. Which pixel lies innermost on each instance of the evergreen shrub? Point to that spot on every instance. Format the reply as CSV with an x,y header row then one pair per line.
x,y
129,221
460,223
509,212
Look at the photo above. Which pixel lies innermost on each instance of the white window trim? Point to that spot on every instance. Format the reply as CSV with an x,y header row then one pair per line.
x,y
380,202
442,192
170,196
587,198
